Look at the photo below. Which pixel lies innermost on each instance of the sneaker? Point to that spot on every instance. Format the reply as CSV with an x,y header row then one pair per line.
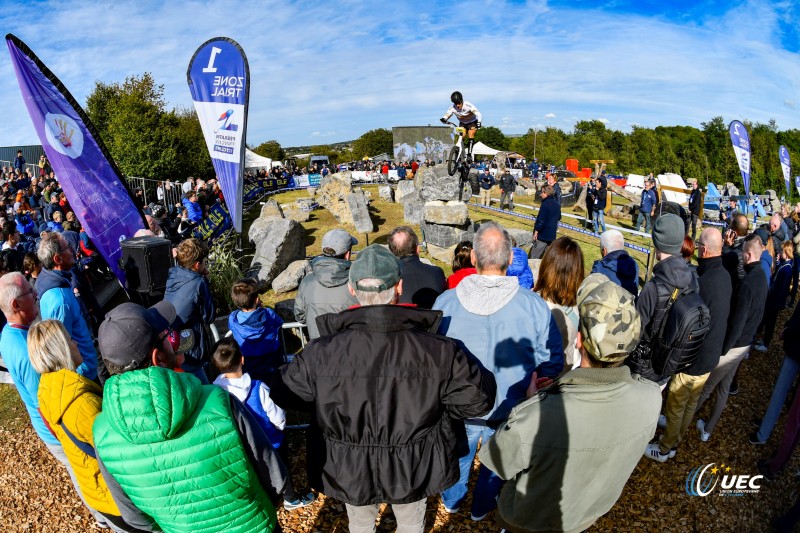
x,y
653,452
452,511
302,501
756,421
755,440
701,427
734,390
662,421
760,347
673,452
478,518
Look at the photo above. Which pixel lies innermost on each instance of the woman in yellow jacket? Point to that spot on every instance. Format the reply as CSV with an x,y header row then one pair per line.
x,y
69,404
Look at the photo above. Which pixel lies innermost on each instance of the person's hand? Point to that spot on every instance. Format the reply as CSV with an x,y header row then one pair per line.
x,y
443,120
730,237
535,235
537,384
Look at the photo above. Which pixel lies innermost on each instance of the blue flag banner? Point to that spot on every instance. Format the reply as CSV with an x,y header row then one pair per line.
x,y
87,174
219,80
741,147
218,221
786,166
797,184
256,188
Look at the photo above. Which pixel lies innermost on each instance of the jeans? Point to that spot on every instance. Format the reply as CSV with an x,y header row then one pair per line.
x,y
410,516
507,196
789,369
645,218
599,220
484,497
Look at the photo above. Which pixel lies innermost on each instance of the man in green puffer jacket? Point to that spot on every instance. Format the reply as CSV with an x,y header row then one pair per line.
x,y
178,456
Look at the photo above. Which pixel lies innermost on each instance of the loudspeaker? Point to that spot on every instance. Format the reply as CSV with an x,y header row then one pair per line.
x,y
146,261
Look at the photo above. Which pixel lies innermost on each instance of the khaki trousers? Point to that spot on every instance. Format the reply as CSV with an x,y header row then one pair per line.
x,y
486,196
684,391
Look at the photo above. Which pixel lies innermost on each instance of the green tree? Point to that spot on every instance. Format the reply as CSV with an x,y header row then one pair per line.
x,y
373,142
492,137
271,149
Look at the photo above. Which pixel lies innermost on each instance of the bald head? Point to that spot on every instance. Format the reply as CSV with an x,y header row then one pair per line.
x,y
775,222
711,241
740,225
491,252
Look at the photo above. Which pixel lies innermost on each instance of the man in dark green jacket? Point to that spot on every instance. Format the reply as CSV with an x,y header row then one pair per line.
x,y
178,456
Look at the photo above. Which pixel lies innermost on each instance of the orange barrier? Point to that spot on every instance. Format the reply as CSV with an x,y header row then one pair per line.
x,y
572,166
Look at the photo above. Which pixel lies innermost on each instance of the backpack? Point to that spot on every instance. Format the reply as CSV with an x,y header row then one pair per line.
x,y
682,330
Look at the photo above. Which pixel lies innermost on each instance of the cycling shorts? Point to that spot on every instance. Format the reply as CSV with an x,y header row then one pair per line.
x,y
470,125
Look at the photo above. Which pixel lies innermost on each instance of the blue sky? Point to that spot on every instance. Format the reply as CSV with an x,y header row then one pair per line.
x,y
324,72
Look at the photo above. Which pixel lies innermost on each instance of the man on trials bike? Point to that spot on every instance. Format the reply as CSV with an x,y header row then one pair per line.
x,y
468,115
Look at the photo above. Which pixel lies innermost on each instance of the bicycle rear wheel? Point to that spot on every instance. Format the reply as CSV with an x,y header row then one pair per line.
x,y
452,161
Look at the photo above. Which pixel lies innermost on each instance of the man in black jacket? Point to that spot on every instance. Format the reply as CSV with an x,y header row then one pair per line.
x,y
388,396
747,308
695,205
422,283
686,386
546,224
508,185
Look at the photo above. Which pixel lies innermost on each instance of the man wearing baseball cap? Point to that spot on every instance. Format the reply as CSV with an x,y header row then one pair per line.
x,y
568,450
388,395
325,289
177,455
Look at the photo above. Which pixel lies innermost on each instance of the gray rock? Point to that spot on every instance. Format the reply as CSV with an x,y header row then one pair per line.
x,y
312,191
386,192
271,209
278,242
332,195
443,255
406,192
299,215
412,212
360,212
445,236
534,264
290,279
437,184
305,203
524,237
452,213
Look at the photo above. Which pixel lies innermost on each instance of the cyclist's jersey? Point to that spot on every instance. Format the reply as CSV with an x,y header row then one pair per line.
x,y
469,113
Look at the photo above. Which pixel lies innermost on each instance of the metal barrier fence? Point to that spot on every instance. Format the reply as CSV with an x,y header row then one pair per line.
x,y
158,191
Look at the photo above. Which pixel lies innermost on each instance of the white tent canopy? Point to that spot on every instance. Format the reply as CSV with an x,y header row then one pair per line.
x,y
253,160
481,149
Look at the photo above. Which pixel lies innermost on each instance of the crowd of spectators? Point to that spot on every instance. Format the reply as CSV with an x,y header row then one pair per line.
x,y
406,375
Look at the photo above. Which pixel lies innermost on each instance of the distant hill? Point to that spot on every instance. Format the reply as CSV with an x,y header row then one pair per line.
x,y
292,150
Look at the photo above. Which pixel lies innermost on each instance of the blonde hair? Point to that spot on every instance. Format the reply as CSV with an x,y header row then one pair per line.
x,y
48,347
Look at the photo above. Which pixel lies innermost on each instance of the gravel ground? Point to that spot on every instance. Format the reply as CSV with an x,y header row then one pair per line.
x,y
36,495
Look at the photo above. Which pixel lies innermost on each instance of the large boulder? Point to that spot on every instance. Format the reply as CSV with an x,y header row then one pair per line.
x,y
412,212
450,213
444,255
524,237
406,192
386,192
278,242
359,211
437,184
271,209
332,195
445,236
290,279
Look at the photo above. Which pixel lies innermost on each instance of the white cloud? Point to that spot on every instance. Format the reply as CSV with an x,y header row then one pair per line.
x,y
603,120
311,80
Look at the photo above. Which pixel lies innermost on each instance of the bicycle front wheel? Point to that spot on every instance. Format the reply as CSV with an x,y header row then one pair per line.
x,y
452,160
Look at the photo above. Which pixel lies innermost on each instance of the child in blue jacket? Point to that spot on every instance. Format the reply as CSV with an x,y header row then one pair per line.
x,y
256,329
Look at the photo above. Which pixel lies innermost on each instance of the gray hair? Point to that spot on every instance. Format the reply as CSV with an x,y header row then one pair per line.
x,y
491,253
11,288
50,245
612,240
383,297
48,347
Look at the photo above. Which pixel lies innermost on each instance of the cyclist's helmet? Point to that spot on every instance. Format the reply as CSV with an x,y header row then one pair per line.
x,y
456,98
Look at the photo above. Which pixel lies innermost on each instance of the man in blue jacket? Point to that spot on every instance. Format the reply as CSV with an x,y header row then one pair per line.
x,y
512,333
57,299
189,291
646,207
193,208
616,264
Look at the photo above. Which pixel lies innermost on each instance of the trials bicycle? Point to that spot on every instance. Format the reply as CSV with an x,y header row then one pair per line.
x,y
457,158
